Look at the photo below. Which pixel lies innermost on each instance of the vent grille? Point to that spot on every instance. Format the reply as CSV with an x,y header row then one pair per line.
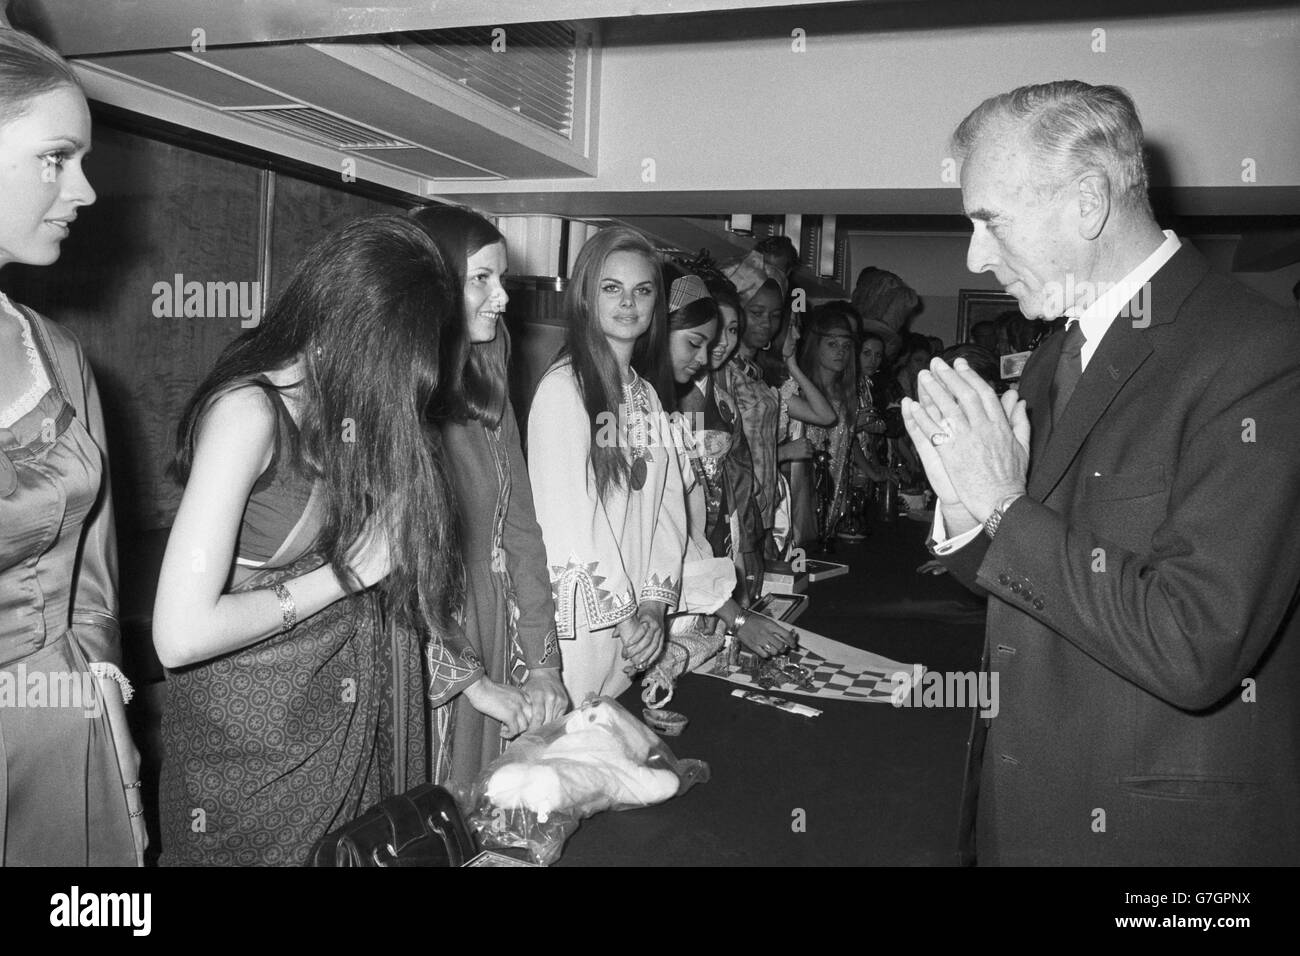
x,y
533,74
323,127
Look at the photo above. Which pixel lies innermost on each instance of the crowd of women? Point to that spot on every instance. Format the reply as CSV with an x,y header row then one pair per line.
x,y
367,584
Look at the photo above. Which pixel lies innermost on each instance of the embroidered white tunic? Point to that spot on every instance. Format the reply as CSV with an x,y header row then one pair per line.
x,y
605,558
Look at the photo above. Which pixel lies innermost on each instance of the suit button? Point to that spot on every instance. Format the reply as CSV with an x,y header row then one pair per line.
x,y
1027,594
1038,604
1003,579
1015,586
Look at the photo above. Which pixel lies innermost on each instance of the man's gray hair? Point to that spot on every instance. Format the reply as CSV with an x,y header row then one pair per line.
x,y
1074,127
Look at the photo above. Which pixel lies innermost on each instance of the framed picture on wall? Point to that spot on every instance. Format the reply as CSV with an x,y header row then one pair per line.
x,y
980,305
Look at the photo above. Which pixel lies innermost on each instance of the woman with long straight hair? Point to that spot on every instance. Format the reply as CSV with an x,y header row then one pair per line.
x,y
718,482
69,773
606,478
829,359
509,613
313,554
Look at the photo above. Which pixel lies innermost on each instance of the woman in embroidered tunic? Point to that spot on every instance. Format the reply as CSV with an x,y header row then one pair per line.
x,y
69,773
509,614
606,479
294,698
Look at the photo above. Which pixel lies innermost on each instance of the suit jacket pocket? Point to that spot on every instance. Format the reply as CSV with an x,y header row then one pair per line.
x,y
1133,484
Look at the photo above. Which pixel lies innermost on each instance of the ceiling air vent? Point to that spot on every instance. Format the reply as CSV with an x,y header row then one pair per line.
x,y
528,68
323,127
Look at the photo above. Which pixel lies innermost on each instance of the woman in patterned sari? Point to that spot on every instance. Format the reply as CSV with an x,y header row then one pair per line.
x,y
312,556
509,614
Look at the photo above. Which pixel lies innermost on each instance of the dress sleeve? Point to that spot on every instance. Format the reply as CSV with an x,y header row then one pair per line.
x,y
582,550
526,558
94,607
453,665
663,581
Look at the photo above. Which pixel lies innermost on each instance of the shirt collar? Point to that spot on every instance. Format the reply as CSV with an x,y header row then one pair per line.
x,y
1096,318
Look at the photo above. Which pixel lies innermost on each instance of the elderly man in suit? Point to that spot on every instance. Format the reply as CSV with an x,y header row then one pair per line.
x,y
1133,513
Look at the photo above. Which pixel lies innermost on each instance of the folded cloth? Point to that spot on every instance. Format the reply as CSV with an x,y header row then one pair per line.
x,y
706,584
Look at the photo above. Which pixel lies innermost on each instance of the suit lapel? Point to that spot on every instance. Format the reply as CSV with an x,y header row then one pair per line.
x,y
1121,353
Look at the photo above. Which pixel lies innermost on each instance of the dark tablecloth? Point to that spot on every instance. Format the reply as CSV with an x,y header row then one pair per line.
x,y
871,784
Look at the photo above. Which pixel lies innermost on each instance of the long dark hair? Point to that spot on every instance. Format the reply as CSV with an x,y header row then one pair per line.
x,y
690,316
587,350
477,386
371,311
829,317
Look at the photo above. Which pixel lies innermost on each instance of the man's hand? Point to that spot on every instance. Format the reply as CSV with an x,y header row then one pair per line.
x,y
986,454
955,516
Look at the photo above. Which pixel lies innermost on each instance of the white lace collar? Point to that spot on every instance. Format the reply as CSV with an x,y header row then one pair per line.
x,y
28,400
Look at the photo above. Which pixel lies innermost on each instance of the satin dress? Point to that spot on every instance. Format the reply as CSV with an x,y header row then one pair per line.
x,y
62,801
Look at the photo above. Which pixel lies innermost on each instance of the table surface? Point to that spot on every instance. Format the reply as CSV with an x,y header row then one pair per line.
x,y
872,784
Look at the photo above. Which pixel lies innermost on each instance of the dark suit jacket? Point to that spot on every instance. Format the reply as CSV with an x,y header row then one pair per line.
x,y
1141,596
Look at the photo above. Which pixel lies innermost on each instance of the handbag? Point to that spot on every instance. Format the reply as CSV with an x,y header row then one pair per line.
x,y
422,827
417,827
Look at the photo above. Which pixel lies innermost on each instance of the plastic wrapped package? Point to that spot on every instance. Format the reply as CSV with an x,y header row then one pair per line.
x,y
598,757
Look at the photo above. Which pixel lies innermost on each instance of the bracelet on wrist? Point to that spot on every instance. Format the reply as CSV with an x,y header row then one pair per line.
x,y
288,609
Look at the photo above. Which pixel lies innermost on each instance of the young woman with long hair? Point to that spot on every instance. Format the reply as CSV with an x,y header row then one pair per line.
x,y
509,613
69,773
716,474
606,479
829,359
313,554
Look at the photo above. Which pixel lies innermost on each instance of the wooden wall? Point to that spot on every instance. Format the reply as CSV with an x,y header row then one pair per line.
x,y
164,210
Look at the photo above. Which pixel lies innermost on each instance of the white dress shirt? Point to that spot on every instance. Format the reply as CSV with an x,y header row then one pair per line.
x,y
1104,305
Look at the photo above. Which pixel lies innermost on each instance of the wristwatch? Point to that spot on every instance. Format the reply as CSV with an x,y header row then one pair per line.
x,y
993,520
